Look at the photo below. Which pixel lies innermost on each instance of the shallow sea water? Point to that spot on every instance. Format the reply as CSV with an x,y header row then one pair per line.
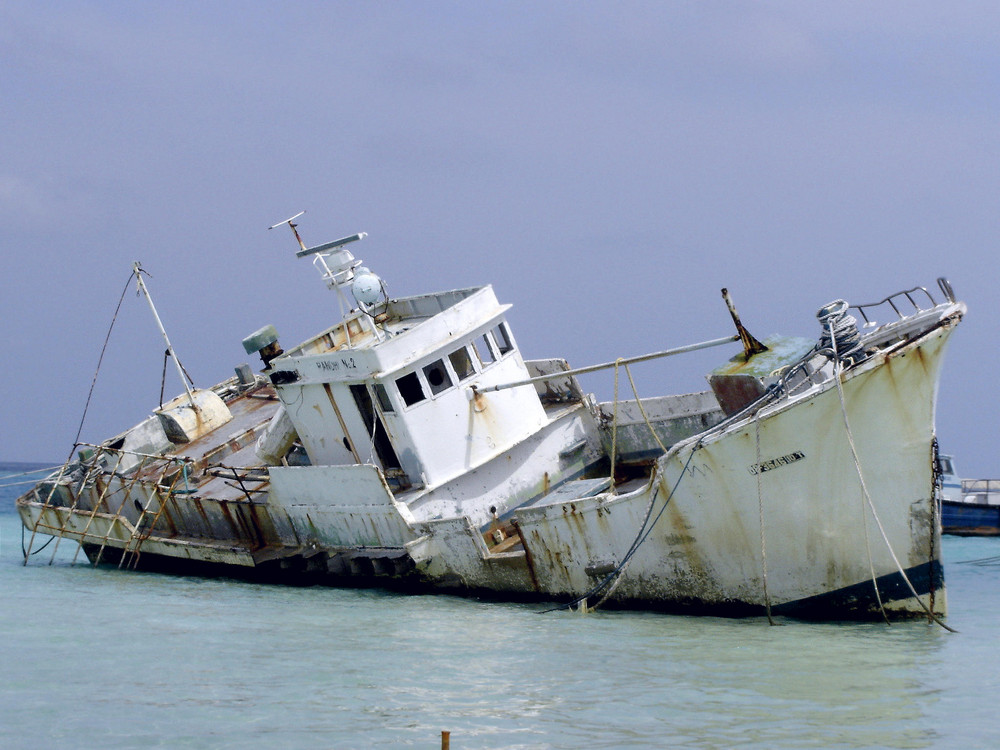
x,y
112,659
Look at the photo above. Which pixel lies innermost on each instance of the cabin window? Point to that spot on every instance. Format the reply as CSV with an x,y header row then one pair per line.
x,y
437,377
502,339
410,389
461,362
383,397
482,346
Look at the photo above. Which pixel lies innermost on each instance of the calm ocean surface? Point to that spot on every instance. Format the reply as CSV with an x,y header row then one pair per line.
x,y
109,659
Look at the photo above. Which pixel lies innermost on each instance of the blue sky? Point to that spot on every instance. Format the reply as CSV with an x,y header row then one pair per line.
x,y
608,167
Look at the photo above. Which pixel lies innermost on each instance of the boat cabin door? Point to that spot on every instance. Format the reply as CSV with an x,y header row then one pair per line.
x,y
376,430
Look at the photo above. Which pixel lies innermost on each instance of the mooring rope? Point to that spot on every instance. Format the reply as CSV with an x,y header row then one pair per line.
x,y
864,490
642,411
644,531
614,428
628,556
837,371
760,512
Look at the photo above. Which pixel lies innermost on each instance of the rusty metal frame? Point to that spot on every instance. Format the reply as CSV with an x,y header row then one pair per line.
x,y
72,508
126,493
97,504
45,506
163,499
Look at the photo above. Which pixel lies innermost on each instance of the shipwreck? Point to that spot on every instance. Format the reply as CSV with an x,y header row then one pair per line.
x,y
410,445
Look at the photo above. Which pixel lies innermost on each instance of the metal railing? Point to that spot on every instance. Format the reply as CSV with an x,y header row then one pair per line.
x,y
913,297
975,486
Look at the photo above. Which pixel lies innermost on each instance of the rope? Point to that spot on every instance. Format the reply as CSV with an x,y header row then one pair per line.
x,y
163,376
644,534
760,511
649,507
614,429
28,474
838,369
4,485
615,577
640,537
864,489
840,331
184,370
25,551
642,411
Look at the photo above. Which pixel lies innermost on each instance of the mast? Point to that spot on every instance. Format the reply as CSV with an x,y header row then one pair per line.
x,y
137,269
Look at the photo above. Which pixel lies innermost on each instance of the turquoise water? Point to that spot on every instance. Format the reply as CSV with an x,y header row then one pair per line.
x,y
111,659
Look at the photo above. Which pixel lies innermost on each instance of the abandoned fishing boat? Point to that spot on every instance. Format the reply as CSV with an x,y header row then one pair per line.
x,y
969,507
411,445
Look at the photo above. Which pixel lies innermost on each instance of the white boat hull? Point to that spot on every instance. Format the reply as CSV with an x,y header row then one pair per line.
x,y
807,523
814,500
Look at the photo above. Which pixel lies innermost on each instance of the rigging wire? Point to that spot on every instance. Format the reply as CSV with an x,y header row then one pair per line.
x,y
14,475
27,481
83,418
100,359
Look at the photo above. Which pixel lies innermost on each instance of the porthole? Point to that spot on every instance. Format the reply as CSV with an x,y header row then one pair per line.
x,y
437,376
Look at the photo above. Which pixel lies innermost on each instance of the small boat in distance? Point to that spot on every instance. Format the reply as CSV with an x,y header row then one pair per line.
x,y
969,507
411,445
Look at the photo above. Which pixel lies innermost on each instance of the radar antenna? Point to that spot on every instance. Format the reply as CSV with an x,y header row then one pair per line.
x,y
337,265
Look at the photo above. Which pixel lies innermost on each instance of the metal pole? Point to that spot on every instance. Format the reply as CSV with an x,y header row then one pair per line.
x,y
180,370
609,365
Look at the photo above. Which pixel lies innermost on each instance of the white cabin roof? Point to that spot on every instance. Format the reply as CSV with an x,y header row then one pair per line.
x,y
407,330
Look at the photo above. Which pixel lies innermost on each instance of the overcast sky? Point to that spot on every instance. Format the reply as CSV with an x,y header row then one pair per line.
x,y
608,167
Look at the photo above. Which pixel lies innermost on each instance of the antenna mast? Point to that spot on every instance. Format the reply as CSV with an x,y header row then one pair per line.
x,y
336,265
292,226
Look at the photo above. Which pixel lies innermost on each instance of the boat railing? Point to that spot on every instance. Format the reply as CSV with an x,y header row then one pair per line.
x,y
976,486
907,302
80,477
